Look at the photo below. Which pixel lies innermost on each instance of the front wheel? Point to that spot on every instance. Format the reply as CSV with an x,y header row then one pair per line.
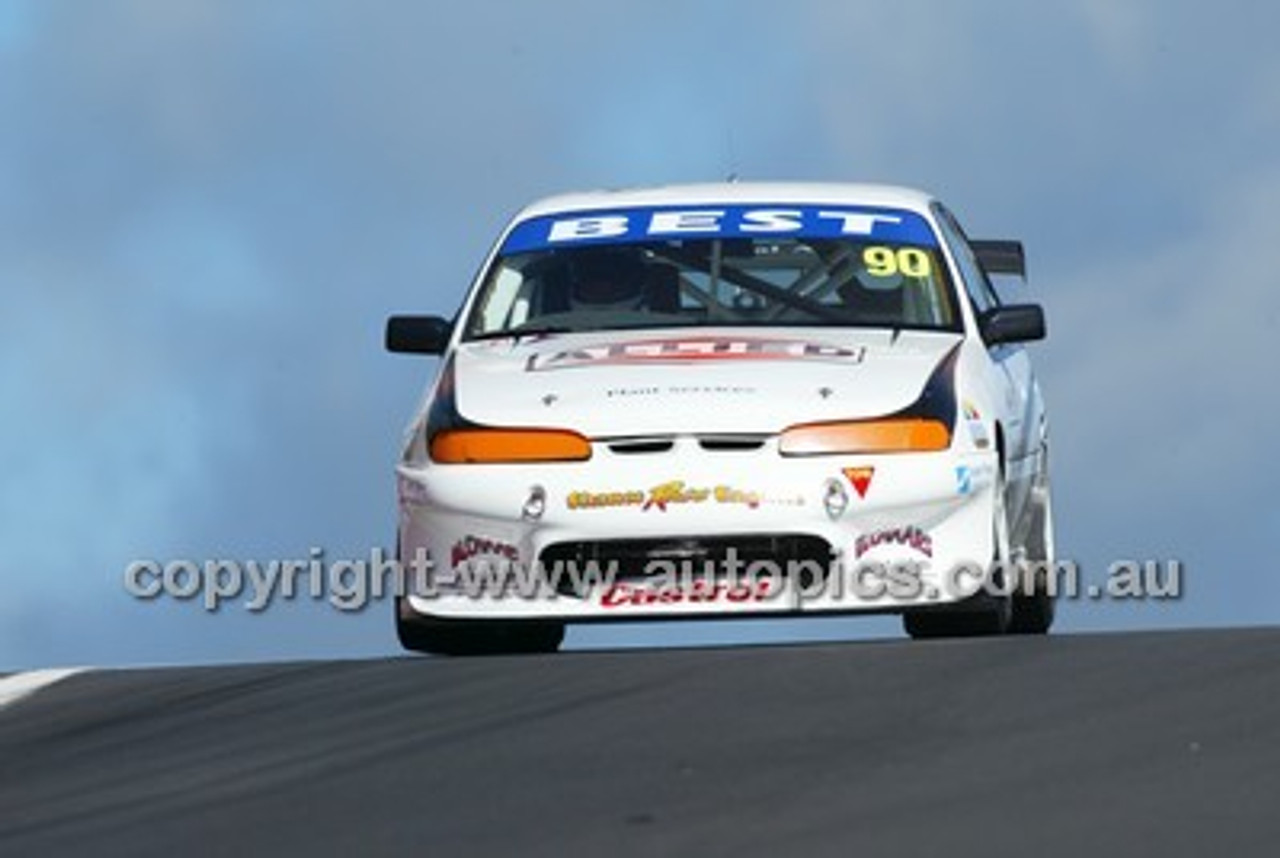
x,y
448,636
987,612
1033,604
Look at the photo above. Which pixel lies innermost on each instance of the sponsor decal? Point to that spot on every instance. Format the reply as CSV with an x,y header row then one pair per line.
x,y
977,428
630,225
677,492
970,478
470,547
910,536
674,492
860,479
752,498
694,349
594,500
728,494
681,390
701,590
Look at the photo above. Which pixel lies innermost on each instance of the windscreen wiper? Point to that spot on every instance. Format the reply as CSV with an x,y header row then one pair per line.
x,y
522,331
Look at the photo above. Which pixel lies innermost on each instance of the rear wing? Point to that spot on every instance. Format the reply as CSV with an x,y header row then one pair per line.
x,y
1001,257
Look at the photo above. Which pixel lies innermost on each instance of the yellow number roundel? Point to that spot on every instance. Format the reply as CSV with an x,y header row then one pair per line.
x,y
886,262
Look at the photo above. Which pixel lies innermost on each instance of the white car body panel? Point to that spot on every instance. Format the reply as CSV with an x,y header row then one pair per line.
x,y
640,382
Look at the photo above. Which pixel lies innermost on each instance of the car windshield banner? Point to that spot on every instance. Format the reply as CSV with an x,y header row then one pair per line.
x,y
668,223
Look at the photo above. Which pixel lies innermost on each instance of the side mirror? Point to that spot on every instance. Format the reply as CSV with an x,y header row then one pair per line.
x,y
420,335
1016,323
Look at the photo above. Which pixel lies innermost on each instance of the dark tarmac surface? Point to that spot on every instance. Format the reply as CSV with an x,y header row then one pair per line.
x,y
1160,743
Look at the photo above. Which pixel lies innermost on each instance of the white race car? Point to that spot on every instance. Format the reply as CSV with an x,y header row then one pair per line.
x,y
746,399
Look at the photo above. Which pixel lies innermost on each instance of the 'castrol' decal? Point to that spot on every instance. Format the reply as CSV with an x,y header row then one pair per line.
x,y
675,593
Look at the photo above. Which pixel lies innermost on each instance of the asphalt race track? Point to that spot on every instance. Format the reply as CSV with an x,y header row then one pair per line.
x,y
1135,744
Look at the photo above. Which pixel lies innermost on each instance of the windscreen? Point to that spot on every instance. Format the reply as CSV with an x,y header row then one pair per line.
x,y
715,266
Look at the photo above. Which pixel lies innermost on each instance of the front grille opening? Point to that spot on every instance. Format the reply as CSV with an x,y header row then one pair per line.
x,y
731,443
573,568
641,446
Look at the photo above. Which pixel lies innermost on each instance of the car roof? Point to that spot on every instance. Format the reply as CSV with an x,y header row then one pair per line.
x,y
735,193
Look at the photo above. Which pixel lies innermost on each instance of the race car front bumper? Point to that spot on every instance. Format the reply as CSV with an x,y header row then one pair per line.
x,y
685,532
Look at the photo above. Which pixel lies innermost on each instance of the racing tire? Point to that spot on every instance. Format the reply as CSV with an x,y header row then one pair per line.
x,y
1032,614
983,614
448,636
1034,605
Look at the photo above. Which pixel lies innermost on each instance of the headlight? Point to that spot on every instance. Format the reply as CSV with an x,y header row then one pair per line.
x,y
454,440
460,446
890,435
922,427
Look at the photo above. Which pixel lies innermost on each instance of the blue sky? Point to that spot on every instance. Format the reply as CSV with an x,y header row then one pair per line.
x,y
207,209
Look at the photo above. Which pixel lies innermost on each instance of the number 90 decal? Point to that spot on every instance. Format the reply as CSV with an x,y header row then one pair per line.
x,y
886,262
